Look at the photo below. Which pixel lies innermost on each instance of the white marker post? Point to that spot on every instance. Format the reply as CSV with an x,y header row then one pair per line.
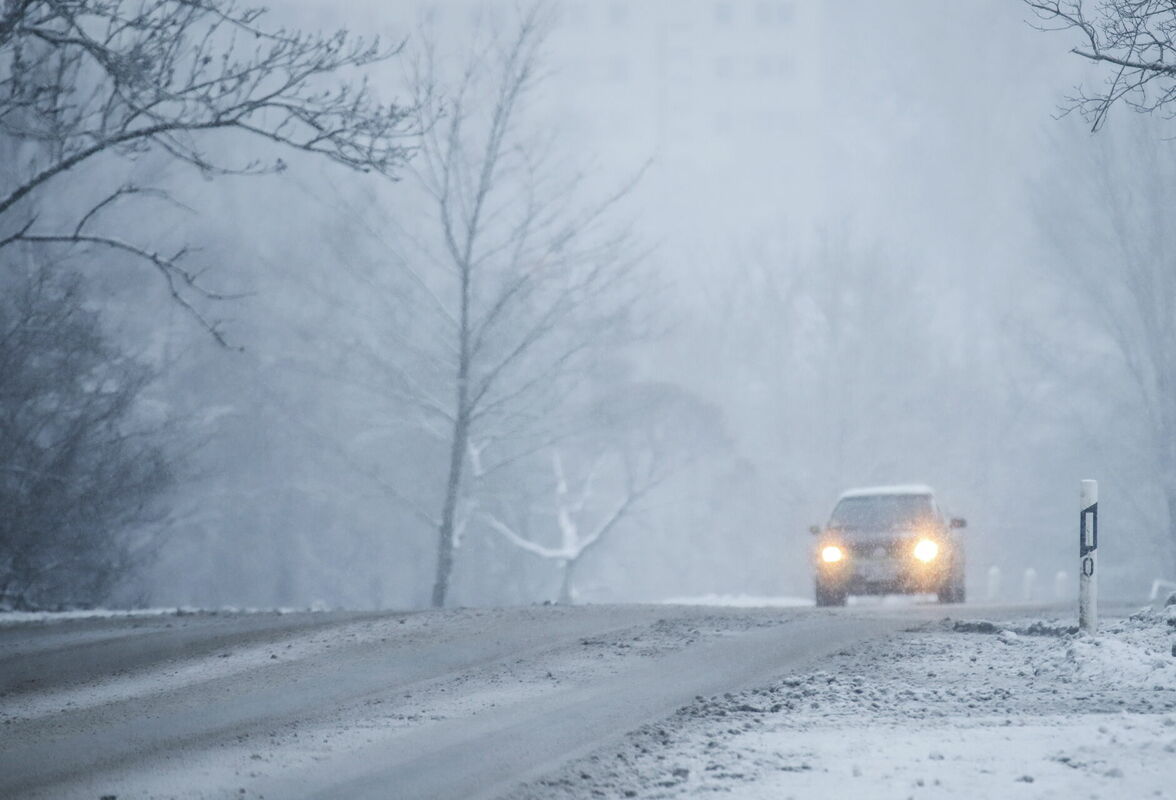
x,y
1088,558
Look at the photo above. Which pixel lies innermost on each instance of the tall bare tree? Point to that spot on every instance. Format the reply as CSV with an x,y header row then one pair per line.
x,y
1135,40
87,82
505,283
1114,260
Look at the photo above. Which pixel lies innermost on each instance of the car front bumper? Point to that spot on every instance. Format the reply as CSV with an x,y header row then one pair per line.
x,y
883,576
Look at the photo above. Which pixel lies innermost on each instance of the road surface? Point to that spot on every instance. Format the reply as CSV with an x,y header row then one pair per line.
x,y
449,704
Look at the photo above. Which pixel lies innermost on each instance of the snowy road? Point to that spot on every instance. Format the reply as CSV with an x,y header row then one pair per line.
x,y
464,703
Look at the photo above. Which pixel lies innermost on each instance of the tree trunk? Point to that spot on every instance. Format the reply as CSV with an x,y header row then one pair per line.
x,y
565,588
449,510
1167,458
461,439
1167,558
1170,539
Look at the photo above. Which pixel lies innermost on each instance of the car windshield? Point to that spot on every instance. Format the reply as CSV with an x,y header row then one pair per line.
x,y
882,511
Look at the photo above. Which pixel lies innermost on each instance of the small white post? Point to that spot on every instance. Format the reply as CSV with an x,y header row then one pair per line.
x,y
993,582
1061,583
1029,584
1088,558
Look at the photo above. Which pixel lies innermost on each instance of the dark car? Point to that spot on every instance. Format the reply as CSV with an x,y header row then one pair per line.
x,y
889,540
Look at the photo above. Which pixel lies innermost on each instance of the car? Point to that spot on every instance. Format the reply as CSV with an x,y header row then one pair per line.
x,y
888,540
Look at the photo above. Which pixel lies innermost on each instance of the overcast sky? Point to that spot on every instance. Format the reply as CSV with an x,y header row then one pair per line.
x,y
919,120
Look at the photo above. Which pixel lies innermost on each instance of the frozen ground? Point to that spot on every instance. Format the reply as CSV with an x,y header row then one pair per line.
x,y
950,709
876,700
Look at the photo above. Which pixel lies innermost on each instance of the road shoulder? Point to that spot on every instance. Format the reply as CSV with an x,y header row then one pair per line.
x,y
1019,708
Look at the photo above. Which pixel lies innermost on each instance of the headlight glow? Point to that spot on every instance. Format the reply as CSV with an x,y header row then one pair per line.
x,y
832,554
926,550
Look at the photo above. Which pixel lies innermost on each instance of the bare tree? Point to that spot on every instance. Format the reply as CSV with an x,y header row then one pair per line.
x,y
570,508
83,82
1114,261
1134,39
78,473
638,437
504,283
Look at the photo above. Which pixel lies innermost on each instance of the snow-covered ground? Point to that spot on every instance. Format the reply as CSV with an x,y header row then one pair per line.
x,y
952,709
886,699
21,617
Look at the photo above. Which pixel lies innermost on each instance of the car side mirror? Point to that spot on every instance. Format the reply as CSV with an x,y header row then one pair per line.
x,y
814,529
959,522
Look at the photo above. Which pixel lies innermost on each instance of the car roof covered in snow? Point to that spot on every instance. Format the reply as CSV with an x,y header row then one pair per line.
x,y
875,491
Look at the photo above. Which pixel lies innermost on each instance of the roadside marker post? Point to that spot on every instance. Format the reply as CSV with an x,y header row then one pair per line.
x,y
1088,558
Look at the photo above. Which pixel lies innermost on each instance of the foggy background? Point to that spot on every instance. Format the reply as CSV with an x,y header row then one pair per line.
x,y
867,252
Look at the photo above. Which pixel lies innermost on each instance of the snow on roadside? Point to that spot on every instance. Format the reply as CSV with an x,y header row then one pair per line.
x,y
954,709
17,617
20,617
1128,652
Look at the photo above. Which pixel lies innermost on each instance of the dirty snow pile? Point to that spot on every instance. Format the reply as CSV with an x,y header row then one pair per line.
x,y
953,709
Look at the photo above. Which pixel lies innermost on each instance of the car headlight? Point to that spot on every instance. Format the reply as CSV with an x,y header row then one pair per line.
x,y
832,554
926,550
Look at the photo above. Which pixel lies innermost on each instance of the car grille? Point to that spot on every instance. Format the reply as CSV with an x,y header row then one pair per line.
x,y
892,548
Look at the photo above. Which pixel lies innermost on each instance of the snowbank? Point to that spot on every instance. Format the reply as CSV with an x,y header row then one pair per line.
x,y
951,709
17,617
